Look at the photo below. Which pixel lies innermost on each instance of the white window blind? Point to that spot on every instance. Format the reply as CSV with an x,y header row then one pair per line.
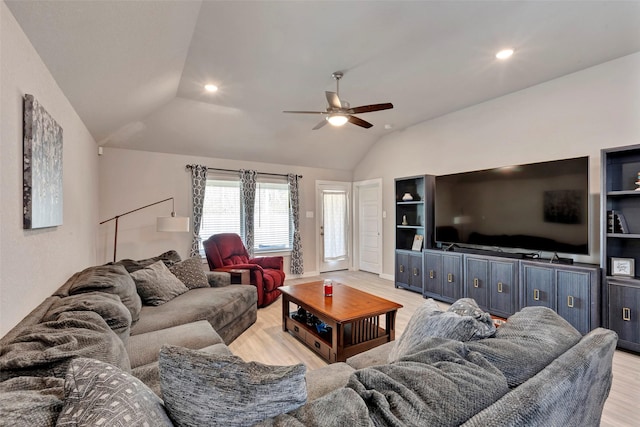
x,y
221,209
271,216
221,212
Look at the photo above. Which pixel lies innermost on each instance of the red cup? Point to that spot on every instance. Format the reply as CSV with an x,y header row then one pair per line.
x,y
328,288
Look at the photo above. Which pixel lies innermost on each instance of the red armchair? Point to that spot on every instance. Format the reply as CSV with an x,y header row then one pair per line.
x,y
227,252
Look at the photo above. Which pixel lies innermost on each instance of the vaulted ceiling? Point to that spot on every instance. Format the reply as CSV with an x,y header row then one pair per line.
x,y
135,70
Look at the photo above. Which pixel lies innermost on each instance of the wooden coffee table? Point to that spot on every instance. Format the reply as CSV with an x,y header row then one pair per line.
x,y
353,316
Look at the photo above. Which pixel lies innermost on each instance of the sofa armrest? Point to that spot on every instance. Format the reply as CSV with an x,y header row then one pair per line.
x,y
218,279
273,262
239,267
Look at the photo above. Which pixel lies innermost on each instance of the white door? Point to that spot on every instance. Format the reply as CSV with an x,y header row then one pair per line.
x,y
333,206
370,227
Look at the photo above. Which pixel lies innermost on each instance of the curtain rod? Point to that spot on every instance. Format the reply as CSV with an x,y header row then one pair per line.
x,y
237,170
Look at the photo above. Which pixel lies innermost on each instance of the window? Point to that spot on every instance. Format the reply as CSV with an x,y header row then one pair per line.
x,y
221,212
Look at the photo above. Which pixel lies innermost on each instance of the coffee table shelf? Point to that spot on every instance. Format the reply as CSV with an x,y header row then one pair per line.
x,y
355,319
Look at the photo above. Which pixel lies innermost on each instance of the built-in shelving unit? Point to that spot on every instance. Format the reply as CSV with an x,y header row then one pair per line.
x,y
620,169
413,216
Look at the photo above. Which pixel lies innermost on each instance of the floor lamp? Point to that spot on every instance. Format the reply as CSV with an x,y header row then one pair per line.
x,y
171,223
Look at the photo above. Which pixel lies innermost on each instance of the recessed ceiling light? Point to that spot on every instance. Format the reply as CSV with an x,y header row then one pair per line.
x,y
211,88
504,54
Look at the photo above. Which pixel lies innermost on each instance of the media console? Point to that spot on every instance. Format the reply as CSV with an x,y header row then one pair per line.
x,y
503,285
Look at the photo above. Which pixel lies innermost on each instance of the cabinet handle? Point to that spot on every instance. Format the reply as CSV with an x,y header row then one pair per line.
x,y
476,282
401,268
570,301
626,313
316,344
536,295
415,271
450,278
295,328
500,287
431,274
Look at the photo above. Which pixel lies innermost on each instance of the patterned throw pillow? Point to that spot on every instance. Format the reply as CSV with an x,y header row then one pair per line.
x,y
202,389
97,393
190,273
157,285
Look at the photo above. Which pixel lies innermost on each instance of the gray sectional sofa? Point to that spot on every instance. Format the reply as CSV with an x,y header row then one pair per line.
x,y
447,368
98,314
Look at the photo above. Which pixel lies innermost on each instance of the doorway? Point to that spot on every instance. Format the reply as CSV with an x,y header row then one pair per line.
x,y
368,237
333,225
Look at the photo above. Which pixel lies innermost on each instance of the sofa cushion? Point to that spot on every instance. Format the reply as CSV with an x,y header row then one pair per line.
x,y
157,285
219,306
145,348
324,380
169,258
199,388
31,401
111,279
376,356
430,321
97,393
529,340
190,273
108,306
46,349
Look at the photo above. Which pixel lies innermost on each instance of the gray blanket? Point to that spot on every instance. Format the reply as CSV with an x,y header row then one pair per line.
x,y
46,349
439,383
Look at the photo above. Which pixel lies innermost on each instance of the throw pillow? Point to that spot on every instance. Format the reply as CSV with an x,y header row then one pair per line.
x,y
157,285
97,393
169,258
111,279
199,388
190,273
430,321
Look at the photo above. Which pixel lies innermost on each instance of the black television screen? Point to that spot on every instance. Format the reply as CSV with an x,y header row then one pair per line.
x,y
532,207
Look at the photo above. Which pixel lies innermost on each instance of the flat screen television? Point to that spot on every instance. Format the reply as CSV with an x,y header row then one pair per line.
x,y
530,207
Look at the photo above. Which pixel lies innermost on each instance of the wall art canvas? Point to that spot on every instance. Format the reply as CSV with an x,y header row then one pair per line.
x,y
42,168
563,206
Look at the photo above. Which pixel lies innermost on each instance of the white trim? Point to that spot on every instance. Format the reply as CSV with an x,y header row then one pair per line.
x,y
389,277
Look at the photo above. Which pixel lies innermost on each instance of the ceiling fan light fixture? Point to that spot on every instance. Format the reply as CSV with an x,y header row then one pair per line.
x,y
504,54
211,88
337,119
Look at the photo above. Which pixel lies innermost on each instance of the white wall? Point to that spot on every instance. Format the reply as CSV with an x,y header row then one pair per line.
x,y
130,179
575,115
34,263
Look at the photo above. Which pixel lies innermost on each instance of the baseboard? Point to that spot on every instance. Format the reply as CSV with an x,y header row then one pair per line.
x,y
387,276
311,273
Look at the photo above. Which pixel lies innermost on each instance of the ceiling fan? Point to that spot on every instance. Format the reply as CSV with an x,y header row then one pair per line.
x,y
339,112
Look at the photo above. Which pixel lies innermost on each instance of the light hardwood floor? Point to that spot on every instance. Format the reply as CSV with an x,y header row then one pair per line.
x,y
266,342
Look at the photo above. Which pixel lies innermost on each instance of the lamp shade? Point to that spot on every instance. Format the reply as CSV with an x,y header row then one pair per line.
x,y
173,223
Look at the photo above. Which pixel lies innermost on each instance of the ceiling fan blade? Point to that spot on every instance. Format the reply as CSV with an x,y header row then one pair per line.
x,y
370,108
333,100
319,125
306,112
359,122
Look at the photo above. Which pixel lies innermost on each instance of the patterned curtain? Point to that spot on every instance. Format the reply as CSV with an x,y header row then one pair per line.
x,y
247,203
296,243
198,185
